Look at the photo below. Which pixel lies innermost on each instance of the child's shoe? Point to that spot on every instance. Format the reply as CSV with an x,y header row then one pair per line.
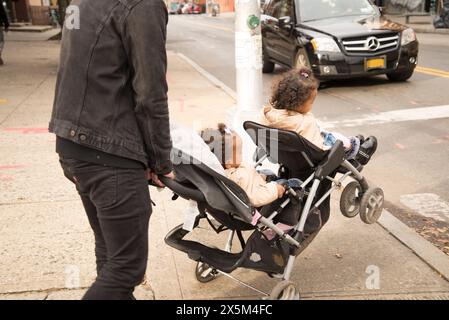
x,y
355,146
293,183
366,150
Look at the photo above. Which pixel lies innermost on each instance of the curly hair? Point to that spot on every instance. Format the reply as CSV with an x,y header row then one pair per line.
x,y
292,89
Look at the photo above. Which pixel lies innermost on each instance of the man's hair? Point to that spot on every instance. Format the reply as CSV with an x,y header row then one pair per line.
x,y
292,89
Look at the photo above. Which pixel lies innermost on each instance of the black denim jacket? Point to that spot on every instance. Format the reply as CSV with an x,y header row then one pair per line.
x,y
111,90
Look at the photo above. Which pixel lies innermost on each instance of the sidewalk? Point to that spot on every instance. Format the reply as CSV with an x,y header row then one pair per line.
x,y
46,244
419,24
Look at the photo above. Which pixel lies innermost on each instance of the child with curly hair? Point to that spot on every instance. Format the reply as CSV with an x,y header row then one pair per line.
x,y
291,102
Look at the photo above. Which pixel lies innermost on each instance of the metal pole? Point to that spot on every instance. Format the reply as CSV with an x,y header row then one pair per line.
x,y
248,66
248,55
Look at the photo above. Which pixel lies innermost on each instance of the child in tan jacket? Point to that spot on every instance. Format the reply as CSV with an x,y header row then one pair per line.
x,y
292,98
227,147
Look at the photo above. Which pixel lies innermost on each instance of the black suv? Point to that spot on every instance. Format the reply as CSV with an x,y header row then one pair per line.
x,y
336,39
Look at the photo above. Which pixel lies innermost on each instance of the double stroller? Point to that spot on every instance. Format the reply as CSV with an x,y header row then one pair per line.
x,y
226,207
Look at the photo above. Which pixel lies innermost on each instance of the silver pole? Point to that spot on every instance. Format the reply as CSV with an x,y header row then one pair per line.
x,y
248,55
228,247
305,212
248,65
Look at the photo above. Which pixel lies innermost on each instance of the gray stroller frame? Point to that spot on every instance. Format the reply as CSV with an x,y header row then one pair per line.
x,y
228,204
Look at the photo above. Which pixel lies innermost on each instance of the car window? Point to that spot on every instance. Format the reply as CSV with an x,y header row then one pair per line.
x,y
280,8
323,9
283,8
269,7
264,4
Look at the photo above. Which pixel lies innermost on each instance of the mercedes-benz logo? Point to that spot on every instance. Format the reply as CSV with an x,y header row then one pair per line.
x,y
372,43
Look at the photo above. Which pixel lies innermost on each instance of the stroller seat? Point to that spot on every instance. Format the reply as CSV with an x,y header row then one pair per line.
x,y
295,152
229,206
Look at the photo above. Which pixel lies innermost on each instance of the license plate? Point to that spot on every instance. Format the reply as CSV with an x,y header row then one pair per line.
x,y
375,63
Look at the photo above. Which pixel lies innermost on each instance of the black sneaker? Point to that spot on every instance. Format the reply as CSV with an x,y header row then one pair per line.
x,y
366,150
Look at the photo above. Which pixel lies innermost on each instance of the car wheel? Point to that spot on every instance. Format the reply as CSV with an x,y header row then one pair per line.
x,y
400,76
268,66
204,273
285,290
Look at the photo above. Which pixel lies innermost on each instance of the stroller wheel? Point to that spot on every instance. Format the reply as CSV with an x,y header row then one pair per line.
x,y
204,273
371,205
285,290
350,199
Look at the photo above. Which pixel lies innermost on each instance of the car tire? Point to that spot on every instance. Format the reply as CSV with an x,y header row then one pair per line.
x,y
267,65
400,76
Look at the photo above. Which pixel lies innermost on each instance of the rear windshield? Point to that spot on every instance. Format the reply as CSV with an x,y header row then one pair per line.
x,y
322,9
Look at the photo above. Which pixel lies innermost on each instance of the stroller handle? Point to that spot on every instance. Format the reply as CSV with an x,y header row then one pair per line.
x,y
182,190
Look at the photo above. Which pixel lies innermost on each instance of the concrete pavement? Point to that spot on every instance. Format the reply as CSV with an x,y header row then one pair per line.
x,y
420,24
46,246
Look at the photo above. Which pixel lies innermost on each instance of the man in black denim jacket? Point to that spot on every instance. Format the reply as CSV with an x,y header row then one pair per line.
x,y
111,120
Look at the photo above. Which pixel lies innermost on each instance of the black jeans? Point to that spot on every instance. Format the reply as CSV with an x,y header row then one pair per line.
x,y
117,203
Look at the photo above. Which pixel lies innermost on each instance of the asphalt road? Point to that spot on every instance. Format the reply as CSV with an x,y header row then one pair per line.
x,y
413,153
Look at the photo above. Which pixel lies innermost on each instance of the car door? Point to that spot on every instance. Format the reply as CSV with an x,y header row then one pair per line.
x,y
279,41
270,30
285,36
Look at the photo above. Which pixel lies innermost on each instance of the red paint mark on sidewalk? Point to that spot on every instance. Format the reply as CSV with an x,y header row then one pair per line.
x,y
6,178
20,166
443,139
399,146
27,130
181,105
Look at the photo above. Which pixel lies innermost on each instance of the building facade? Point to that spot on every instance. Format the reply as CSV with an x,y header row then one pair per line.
x,y
36,12
226,5
407,6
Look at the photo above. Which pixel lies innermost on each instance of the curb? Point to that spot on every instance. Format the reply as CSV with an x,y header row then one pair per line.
x,y
219,84
431,31
425,250
31,29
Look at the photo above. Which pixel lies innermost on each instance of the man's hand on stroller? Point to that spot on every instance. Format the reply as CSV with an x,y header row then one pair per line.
x,y
151,175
